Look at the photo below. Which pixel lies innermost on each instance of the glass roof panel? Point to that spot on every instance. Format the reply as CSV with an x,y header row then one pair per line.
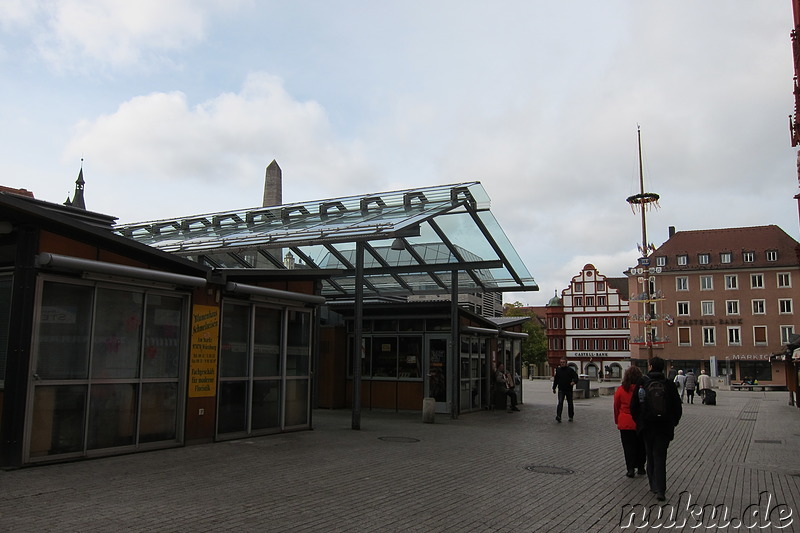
x,y
447,225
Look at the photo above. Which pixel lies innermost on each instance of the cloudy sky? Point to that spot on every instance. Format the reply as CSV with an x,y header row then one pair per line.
x,y
177,106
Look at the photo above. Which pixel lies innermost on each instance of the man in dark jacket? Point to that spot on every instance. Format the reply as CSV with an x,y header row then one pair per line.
x,y
564,379
657,410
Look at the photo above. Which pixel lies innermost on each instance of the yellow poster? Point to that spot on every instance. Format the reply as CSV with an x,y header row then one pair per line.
x,y
203,355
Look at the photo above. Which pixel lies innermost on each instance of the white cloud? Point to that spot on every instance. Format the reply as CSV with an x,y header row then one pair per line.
x,y
224,143
77,34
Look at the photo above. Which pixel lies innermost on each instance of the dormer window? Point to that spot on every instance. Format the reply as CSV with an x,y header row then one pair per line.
x,y
683,260
725,257
772,255
748,257
703,259
661,261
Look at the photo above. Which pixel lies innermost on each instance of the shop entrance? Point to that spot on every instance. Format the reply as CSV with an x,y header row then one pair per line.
x,y
436,376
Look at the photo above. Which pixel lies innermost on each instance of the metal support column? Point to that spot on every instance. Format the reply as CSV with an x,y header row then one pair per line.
x,y
358,335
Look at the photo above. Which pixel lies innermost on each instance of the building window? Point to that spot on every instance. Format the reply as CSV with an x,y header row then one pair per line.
x,y
590,301
684,336
759,307
578,301
748,257
706,283
683,308
707,308
784,280
576,323
760,335
703,259
708,336
734,336
683,260
732,307
578,286
601,300
682,283
601,286
786,332
772,255
756,281
731,281
725,257
594,323
661,261
785,306
576,344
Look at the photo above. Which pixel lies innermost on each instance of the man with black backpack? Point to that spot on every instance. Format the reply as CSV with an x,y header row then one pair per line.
x,y
656,407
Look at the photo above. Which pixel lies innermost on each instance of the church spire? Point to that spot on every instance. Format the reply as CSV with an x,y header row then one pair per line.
x,y
77,199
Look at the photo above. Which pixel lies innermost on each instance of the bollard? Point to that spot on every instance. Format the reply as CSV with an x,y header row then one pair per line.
x,y
428,410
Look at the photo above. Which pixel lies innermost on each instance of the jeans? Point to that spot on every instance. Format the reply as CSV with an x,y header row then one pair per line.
x,y
656,446
565,393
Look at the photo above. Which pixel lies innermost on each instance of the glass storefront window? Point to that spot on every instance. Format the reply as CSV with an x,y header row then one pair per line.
x,y
234,340
57,424
298,344
266,404
159,412
384,357
162,336
760,370
410,357
112,416
232,415
267,342
64,327
117,334
103,398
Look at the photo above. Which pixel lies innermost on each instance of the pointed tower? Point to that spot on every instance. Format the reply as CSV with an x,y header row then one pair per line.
x,y
273,186
77,198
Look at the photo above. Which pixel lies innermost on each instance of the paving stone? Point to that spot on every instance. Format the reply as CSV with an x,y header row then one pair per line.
x,y
489,471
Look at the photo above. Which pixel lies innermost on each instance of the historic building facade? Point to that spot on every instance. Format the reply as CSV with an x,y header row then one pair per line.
x,y
589,325
721,300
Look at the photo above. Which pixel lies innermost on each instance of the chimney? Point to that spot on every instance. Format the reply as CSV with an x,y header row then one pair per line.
x,y
671,231
273,186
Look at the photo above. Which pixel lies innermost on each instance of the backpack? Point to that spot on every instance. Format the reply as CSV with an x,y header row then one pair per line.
x,y
655,400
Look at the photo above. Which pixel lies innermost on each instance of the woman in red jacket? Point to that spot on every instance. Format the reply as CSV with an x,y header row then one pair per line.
x,y
632,443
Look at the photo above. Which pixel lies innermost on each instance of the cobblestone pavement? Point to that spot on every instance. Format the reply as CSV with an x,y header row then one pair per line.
x,y
487,471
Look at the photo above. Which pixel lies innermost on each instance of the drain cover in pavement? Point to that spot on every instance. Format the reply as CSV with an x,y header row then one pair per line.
x,y
398,439
543,469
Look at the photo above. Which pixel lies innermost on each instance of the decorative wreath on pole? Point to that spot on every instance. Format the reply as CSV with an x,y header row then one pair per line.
x,y
643,201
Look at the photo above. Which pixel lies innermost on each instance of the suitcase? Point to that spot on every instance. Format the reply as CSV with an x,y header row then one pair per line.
x,y
710,398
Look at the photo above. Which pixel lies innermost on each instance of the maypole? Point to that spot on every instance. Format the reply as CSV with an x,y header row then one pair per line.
x,y
648,297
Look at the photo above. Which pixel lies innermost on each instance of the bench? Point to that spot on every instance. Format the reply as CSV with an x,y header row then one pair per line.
x,y
744,386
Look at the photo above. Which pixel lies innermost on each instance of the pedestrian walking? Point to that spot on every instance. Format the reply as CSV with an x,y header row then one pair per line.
x,y
564,379
656,408
703,384
632,443
680,381
690,385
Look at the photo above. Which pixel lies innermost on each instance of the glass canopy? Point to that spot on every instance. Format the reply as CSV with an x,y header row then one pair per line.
x,y
414,241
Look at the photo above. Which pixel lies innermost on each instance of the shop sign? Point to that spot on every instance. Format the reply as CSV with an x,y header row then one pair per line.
x,y
203,353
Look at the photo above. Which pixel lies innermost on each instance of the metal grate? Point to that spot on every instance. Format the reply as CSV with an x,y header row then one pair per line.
x,y
544,469
398,439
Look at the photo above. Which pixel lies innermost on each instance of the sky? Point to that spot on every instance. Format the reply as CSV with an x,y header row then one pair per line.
x,y
176,107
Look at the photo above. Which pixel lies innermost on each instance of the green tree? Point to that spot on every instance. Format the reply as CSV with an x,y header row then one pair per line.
x,y
534,348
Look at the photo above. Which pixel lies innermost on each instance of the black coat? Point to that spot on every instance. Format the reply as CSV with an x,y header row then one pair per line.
x,y
674,408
